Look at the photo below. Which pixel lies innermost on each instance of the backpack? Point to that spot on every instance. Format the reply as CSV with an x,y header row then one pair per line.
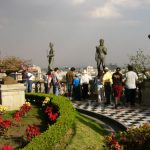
x,y
54,80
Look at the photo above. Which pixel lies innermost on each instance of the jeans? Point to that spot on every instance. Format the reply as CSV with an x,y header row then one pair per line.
x,y
29,85
70,89
55,90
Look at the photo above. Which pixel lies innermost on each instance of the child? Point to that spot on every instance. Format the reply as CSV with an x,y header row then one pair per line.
x,y
76,87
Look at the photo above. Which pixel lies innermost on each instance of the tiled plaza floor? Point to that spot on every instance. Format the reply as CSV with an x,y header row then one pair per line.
x,y
127,116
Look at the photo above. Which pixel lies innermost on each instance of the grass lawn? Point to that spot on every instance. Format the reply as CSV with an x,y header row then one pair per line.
x,y
88,135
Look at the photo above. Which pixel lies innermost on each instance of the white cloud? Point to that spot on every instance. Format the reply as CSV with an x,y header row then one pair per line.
x,y
107,11
111,8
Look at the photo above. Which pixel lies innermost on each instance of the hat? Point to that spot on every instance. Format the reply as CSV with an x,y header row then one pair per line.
x,y
84,71
77,75
106,68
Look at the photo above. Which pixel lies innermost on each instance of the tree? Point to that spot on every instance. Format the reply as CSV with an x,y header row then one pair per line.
x,y
13,63
140,61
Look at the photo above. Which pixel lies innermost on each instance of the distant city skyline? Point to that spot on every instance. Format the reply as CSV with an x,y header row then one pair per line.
x,y
74,27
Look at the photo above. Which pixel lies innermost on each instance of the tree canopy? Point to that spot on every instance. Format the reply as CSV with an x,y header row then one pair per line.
x,y
13,63
140,61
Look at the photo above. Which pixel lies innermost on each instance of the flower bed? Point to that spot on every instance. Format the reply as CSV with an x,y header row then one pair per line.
x,y
56,131
56,110
133,139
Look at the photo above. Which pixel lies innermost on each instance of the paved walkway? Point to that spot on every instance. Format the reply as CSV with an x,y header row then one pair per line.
x,y
127,116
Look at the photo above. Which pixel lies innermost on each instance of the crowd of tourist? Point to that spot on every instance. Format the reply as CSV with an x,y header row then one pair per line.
x,y
110,86
115,85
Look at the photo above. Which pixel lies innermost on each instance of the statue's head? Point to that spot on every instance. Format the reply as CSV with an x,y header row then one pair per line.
x,y
50,45
101,42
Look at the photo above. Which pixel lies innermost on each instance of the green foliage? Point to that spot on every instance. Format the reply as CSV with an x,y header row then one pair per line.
x,y
55,132
139,61
132,139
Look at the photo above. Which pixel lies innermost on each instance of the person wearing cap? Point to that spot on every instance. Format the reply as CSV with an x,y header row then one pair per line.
x,y
117,86
107,82
76,87
85,78
69,81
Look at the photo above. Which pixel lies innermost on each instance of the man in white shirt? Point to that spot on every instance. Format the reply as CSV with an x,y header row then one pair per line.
x,y
56,81
85,78
130,85
29,80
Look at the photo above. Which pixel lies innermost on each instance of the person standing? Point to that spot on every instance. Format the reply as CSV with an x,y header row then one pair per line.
x,y
85,79
56,81
130,85
69,82
29,80
117,86
24,79
76,87
47,81
99,86
107,82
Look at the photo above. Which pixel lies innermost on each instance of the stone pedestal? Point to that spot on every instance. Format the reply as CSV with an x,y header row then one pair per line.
x,y
12,95
146,94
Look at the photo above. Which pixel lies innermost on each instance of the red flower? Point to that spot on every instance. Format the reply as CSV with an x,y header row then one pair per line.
x,y
6,147
32,131
48,109
23,110
6,124
51,114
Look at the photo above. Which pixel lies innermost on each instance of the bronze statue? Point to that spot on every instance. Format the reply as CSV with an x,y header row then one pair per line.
x,y
50,56
101,52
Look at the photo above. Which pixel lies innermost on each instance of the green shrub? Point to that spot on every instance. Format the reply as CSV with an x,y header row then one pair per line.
x,y
55,132
135,138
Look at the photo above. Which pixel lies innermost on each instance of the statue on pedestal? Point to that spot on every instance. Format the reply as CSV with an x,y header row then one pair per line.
x,y
100,54
50,57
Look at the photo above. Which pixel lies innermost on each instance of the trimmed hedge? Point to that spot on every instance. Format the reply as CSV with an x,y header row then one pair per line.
x,y
53,135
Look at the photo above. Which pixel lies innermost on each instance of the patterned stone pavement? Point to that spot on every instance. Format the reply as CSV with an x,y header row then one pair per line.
x,y
126,116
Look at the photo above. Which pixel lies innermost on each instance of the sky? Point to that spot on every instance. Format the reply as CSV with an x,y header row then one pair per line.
x,y
75,28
